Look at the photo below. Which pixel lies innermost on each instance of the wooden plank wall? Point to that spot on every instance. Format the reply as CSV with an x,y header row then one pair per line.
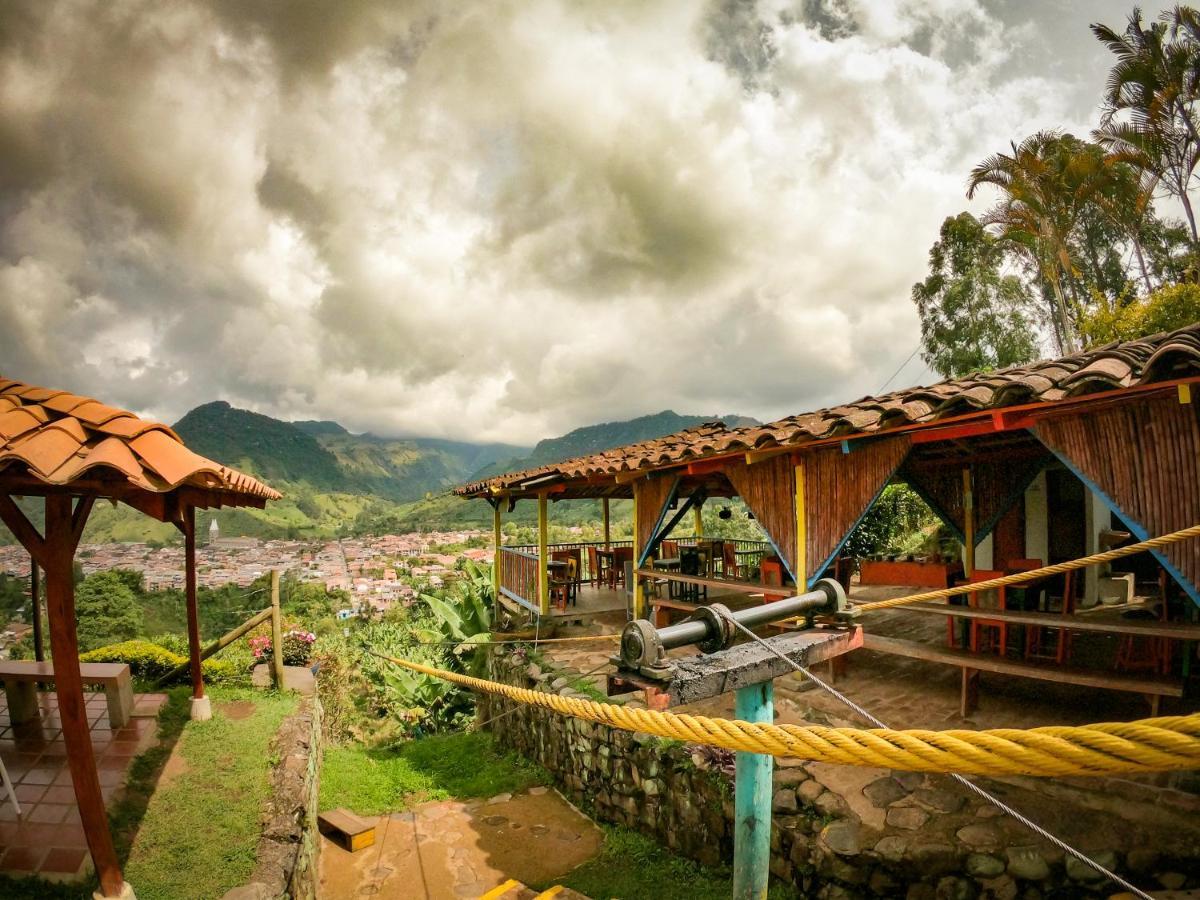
x,y
652,495
1145,456
838,489
768,488
998,485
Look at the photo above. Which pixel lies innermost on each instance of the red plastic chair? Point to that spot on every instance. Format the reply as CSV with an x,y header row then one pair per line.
x,y
1037,636
984,630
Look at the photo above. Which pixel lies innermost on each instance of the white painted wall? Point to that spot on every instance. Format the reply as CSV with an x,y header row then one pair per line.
x,y
983,553
1098,518
1037,524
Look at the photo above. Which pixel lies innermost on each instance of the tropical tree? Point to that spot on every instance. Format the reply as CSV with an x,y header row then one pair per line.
x,y
107,610
1047,184
1167,309
973,317
1149,118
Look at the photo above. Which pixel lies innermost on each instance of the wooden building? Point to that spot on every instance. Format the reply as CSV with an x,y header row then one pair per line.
x,y
1035,462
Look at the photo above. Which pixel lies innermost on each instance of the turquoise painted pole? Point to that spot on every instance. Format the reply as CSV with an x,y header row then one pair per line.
x,y
752,799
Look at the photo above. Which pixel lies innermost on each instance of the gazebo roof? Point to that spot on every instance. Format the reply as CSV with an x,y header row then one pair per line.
x,y
1112,367
55,439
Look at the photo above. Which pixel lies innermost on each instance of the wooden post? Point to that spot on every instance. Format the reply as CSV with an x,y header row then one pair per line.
x,y
543,556
752,799
62,530
607,528
639,602
276,633
496,540
201,706
698,527
35,598
968,523
801,532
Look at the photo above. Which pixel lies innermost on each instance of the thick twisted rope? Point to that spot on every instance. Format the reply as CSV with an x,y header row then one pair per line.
x,y
1057,569
1148,745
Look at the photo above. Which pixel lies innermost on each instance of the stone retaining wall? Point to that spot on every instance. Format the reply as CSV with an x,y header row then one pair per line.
x,y
842,832
286,867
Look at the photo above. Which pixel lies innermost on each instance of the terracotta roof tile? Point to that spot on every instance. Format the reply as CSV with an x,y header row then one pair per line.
x,y
58,437
1159,357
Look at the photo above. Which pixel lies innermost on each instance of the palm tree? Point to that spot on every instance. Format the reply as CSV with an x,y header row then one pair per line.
x,y
1046,183
1149,118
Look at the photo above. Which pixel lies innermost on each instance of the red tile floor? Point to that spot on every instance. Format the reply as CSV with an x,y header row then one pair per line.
x,y
47,838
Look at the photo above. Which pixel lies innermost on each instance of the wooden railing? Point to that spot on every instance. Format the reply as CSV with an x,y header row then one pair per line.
x,y
582,546
519,576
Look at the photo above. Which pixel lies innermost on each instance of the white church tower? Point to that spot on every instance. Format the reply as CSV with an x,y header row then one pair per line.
x,y
214,531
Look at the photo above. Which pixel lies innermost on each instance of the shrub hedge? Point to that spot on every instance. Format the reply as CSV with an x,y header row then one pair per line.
x,y
148,660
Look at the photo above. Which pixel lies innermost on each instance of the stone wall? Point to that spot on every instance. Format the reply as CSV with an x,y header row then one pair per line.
x,y
286,864
841,832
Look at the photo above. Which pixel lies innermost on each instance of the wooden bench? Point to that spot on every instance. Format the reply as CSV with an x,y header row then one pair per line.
x,y
21,679
346,829
974,663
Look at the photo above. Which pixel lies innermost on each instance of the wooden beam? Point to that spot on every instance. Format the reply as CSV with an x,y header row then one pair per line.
x,y
68,684
543,557
968,523
607,523
801,569
1075,622
35,596
756,456
639,599
83,509
188,523
497,539
22,529
708,466
276,633
628,477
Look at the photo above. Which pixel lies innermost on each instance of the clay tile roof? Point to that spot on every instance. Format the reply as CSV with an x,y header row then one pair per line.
x,y
58,437
1159,357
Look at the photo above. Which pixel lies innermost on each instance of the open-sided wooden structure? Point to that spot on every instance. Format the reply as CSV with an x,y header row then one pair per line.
x,y
1122,417
70,451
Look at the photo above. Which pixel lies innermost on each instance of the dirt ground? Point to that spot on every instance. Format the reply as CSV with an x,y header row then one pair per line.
x,y
463,849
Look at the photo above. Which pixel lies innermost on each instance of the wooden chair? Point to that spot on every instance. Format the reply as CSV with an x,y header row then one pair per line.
x,y
771,573
729,563
1154,654
691,563
668,549
616,574
1037,637
562,586
594,574
984,630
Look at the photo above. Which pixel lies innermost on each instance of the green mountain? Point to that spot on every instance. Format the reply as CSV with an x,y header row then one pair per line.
x,y
335,482
595,438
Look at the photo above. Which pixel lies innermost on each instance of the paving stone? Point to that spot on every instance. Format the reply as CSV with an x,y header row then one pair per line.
x,y
1002,888
951,887
784,801
1081,871
982,865
892,848
979,836
885,791
1027,864
1172,881
842,837
831,804
908,817
940,799
810,790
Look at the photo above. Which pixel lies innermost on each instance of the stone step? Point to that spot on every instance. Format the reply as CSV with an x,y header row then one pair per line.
x,y
514,890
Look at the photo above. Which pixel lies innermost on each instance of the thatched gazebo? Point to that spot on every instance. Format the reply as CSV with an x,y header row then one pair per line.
x,y
71,451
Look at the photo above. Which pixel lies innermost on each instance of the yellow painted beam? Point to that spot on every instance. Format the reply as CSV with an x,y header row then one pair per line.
x,y
496,540
543,556
1185,393
968,523
699,529
801,532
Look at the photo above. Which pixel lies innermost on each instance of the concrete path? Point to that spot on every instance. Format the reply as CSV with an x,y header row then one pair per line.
x,y
454,848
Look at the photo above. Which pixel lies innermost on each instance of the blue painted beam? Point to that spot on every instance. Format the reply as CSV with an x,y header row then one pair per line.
x,y
752,799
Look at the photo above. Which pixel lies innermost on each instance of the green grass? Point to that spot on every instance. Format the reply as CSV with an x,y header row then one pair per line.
x,y
634,867
195,837
375,781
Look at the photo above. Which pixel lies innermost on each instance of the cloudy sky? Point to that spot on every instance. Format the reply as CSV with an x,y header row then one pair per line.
x,y
499,220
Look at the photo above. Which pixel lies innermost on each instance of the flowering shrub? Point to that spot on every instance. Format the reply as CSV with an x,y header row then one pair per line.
x,y
297,646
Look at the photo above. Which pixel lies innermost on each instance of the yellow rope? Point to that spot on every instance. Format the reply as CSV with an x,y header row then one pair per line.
x,y
1057,569
1149,745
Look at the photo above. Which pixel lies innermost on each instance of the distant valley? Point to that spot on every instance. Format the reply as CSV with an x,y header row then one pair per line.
x,y
335,482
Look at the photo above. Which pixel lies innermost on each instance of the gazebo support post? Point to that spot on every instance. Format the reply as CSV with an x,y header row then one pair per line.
x,y
64,528
607,524
35,598
201,706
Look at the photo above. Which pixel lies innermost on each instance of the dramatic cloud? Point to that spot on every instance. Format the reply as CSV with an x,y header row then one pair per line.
x,y
498,220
